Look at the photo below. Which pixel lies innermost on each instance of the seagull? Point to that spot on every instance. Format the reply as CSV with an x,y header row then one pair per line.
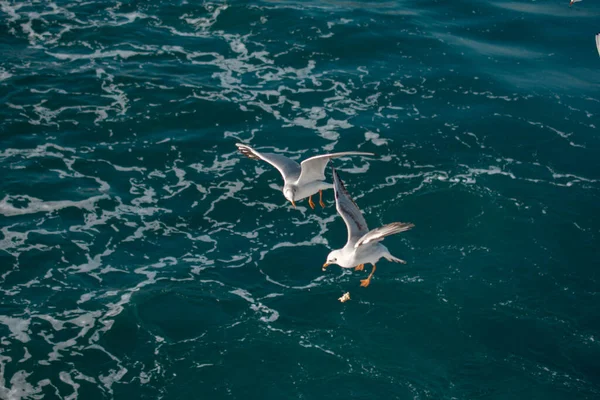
x,y
573,2
300,180
363,246
598,43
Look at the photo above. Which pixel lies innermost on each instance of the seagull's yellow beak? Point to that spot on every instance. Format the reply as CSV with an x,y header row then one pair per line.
x,y
293,203
325,266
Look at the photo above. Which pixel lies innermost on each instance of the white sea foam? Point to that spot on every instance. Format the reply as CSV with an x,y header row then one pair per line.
x,y
267,314
37,205
4,74
20,387
125,54
66,378
376,138
19,327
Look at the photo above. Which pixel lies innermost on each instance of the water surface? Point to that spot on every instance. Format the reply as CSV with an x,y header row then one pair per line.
x,y
143,257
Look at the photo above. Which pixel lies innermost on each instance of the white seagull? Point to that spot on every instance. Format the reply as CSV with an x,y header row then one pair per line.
x,y
363,246
300,180
598,43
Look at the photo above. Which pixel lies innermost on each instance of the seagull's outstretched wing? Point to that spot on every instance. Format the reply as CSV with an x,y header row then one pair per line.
x,y
379,233
355,222
289,169
313,169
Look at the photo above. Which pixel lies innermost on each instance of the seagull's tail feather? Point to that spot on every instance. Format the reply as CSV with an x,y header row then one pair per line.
x,y
247,151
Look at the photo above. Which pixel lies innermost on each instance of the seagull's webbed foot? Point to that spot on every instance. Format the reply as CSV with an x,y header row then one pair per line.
x,y
321,199
360,267
311,203
366,282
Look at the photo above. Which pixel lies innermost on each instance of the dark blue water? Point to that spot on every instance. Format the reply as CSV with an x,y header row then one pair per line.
x,y
142,257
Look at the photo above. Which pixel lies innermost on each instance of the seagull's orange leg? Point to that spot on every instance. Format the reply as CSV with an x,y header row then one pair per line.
x,y
310,202
359,267
365,282
321,199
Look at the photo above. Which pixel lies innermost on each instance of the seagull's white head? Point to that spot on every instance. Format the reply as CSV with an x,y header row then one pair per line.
x,y
332,258
289,192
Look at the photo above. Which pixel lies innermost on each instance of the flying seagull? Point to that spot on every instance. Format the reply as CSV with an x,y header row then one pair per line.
x,y
363,246
300,180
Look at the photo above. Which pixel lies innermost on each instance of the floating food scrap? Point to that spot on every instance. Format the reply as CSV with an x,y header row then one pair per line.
x,y
345,297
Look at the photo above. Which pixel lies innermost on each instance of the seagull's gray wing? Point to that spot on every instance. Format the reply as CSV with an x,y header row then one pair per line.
x,y
378,234
313,169
355,222
289,169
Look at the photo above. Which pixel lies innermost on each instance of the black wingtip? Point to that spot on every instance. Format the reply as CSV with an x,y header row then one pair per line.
x,y
336,177
403,226
247,151
340,182
336,180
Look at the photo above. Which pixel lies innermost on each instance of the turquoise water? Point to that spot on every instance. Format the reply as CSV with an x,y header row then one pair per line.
x,y
143,257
